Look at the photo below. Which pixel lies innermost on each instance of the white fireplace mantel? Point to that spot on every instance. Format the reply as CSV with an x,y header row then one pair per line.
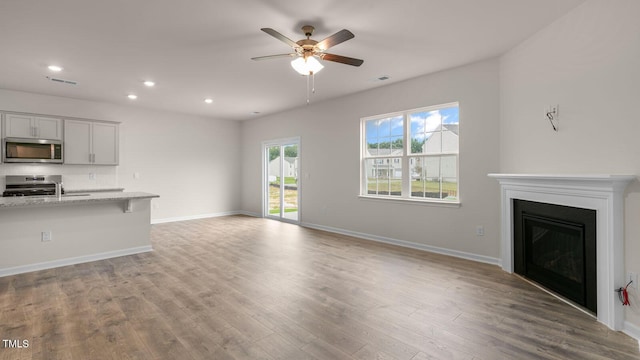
x,y
603,193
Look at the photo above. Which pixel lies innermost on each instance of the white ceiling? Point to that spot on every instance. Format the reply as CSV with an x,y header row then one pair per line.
x,y
195,49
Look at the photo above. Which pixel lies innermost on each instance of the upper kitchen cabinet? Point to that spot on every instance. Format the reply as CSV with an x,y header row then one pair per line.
x,y
32,127
90,142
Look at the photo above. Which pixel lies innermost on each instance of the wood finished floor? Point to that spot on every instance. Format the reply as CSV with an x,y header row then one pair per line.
x,y
247,288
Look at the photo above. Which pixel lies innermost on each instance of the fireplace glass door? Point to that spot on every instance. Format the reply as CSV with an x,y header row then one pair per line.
x,y
555,246
554,255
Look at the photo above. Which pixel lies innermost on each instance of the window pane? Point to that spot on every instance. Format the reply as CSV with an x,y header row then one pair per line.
x,y
273,174
450,126
371,135
384,137
384,127
426,127
396,144
384,176
417,133
432,143
431,171
449,169
431,134
450,188
397,126
449,166
434,177
395,177
449,141
425,176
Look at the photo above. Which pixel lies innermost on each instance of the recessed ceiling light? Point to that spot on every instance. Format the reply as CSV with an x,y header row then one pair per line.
x,y
149,83
132,96
208,101
55,68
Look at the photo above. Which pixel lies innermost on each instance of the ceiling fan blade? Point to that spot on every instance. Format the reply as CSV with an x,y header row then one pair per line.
x,y
341,59
273,56
335,39
281,37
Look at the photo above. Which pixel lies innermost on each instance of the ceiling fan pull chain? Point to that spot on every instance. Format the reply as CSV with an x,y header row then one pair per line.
x,y
313,83
308,92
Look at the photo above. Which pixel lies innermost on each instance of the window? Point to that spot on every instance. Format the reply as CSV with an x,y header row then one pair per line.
x,y
412,154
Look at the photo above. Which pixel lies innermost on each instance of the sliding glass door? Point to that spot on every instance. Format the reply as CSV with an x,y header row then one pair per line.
x,y
281,194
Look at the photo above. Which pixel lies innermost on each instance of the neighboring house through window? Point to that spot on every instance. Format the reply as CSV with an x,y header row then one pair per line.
x,y
412,154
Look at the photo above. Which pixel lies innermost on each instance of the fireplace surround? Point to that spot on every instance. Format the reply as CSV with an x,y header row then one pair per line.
x,y
602,193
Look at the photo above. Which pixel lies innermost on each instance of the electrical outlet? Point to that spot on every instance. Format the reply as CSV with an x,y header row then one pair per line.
x,y
92,176
480,230
633,277
47,236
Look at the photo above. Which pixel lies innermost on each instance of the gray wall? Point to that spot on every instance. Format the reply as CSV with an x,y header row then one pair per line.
x,y
330,162
588,63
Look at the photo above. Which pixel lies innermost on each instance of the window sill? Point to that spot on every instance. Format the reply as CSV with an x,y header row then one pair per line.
x,y
438,203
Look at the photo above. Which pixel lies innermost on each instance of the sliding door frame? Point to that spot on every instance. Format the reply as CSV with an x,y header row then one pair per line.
x,y
265,177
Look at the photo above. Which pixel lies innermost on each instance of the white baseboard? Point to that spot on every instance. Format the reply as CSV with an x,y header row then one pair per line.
x,y
632,330
74,260
196,217
408,244
249,213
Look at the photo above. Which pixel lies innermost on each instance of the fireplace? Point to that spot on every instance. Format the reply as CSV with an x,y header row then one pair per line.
x,y
555,246
602,193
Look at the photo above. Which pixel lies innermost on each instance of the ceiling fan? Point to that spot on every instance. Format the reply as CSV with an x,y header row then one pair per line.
x,y
307,50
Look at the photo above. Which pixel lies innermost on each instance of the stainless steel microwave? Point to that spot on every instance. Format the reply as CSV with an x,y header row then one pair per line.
x,y
20,150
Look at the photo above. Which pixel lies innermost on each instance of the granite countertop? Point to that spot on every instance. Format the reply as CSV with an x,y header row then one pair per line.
x,y
73,198
73,191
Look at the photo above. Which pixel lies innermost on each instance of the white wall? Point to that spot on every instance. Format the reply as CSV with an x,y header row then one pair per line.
x,y
191,162
588,62
330,144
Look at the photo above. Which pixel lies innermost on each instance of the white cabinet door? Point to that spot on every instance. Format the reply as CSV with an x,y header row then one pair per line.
x,y
77,142
19,126
48,128
90,143
105,144
32,127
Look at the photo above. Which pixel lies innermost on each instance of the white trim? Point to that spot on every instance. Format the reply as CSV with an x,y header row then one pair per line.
x,y
74,260
249,213
407,244
414,201
295,140
632,330
603,193
406,154
200,216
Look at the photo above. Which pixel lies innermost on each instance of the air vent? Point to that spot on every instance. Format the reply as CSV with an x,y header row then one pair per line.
x,y
62,81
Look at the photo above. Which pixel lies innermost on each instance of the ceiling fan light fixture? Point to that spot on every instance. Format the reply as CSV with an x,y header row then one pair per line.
x,y
307,66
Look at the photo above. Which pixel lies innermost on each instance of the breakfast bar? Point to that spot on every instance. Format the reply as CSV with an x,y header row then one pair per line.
x,y
41,232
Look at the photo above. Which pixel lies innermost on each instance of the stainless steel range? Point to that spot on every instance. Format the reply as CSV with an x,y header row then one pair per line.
x,y
32,185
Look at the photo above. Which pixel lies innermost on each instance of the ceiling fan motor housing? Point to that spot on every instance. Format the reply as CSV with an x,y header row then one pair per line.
x,y
308,30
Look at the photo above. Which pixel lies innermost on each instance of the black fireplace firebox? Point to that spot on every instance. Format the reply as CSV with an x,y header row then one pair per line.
x,y
555,246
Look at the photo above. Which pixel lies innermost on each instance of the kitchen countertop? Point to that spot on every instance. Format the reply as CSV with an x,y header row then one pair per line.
x,y
73,191
73,198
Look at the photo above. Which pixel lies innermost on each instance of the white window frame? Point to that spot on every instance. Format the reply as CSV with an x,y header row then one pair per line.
x,y
405,156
